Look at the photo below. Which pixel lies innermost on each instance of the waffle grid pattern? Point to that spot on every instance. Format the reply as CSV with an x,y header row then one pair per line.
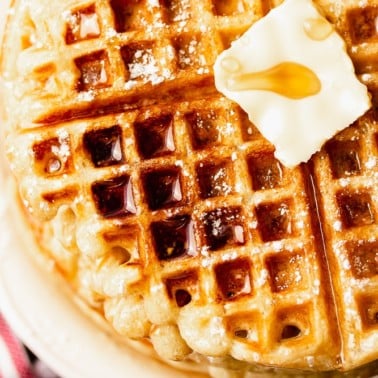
x,y
349,167
352,227
361,38
132,50
233,235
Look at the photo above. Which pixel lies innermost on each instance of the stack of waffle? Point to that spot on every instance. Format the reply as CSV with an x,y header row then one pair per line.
x,y
162,204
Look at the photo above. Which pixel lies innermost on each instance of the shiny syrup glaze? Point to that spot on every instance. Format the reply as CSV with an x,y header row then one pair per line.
x,y
114,197
274,221
202,129
53,156
233,278
82,25
289,79
173,238
104,146
154,136
214,179
224,227
162,187
93,70
356,209
344,157
363,258
265,170
318,28
286,271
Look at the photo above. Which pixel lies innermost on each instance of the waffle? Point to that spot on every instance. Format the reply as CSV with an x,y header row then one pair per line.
x,y
165,208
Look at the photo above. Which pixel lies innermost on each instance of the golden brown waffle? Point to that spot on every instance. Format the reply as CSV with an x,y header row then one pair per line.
x,y
346,176
78,57
162,204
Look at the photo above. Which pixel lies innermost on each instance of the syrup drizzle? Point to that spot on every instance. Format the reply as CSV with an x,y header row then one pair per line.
x,y
289,79
317,28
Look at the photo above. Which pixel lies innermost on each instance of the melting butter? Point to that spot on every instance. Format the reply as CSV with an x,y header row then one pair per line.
x,y
317,28
288,79
291,74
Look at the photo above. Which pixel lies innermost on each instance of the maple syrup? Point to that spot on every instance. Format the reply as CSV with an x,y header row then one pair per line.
x,y
289,79
224,227
154,136
233,278
114,197
317,28
173,238
104,146
162,188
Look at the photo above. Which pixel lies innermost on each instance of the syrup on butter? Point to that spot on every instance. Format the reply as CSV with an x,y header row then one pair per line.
x,y
317,28
291,73
289,79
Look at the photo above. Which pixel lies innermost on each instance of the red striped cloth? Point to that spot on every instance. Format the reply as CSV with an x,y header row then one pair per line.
x,y
15,361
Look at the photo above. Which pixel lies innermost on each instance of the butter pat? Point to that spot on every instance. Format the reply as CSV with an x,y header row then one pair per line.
x,y
291,73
